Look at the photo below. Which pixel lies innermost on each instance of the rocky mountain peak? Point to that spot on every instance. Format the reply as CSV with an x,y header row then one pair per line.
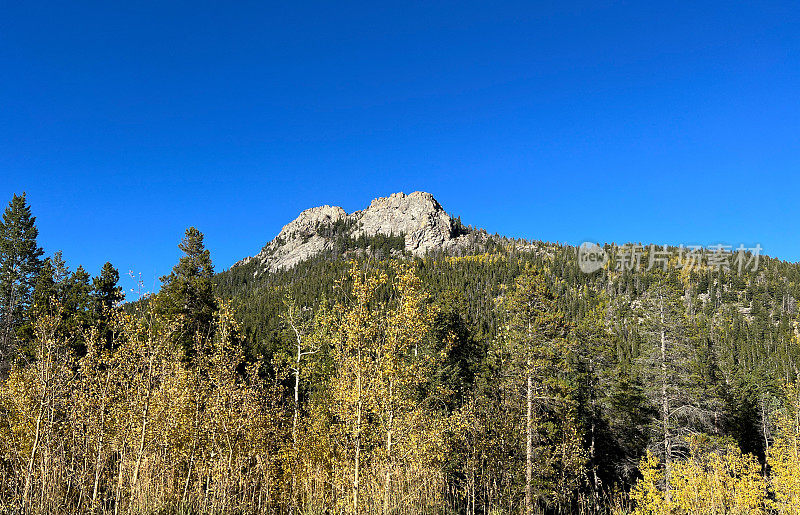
x,y
309,219
418,217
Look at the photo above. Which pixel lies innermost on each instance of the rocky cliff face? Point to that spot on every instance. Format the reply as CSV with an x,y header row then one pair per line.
x,y
417,216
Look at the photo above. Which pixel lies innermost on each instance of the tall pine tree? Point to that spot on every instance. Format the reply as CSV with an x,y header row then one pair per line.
x,y
536,338
669,366
19,266
187,293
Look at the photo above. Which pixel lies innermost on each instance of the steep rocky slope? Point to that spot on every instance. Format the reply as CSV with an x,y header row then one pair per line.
x,y
417,217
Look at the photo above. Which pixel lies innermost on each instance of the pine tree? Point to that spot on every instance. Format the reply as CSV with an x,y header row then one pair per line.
x,y
19,266
536,332
106,295
187,293
670,367
49,293
77,298
44,290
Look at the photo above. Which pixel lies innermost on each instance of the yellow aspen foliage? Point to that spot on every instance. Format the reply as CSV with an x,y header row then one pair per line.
x,y
708,482
647,494
784,456
390,435
483,259
358,330
725,481
33,401
139,426
411,438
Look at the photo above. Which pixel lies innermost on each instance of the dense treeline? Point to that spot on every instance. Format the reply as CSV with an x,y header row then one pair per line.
x,y
504,381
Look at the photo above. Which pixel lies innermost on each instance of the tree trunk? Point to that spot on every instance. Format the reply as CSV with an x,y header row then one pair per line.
x,y
529,426
357,437
118,499
97,467
296,398
143,433
29,473
665,408
188,479
529,447
387,479
294,422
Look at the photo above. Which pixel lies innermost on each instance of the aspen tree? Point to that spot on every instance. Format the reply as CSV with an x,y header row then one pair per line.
x,y
402,366
359,329
301,324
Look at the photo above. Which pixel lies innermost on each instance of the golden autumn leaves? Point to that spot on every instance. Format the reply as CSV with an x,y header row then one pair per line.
x,y
136,427
391,436
717,478
144,426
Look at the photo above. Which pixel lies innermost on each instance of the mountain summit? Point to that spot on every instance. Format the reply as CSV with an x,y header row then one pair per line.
x,y
417,218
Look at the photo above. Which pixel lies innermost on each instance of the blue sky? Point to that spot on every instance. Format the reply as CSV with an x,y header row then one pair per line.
x,y
561,121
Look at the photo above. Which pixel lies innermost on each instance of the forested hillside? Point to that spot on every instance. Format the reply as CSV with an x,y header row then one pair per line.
x,y
495,377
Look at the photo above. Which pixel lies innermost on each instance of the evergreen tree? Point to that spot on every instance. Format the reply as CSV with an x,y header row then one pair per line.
x,y
44,290
671,367
553,459
49,292
187,293
77,308
19,266
106,295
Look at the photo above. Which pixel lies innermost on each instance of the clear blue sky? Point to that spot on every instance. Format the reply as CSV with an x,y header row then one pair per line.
x,y
611,121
